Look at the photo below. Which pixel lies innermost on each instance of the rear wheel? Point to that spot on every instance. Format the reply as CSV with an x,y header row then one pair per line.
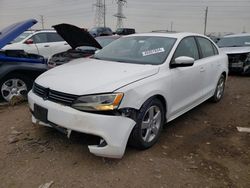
x,y
219,91
14,86
149,125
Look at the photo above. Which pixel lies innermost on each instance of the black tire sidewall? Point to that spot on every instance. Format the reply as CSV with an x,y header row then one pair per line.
x,y
24,78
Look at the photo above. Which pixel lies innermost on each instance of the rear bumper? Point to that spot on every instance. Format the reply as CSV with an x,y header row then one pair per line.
x,y
115,130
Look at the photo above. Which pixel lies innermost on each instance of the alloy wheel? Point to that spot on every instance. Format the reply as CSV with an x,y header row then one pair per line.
x,y
13,87
151,124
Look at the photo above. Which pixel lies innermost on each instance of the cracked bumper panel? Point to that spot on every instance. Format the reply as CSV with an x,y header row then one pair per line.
x,y
115,130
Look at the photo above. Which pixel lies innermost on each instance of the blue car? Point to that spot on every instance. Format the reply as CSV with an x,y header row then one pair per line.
x,y
18,69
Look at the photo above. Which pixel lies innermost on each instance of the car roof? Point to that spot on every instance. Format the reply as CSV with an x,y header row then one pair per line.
x,y
237,35
171,35
45,30
109,36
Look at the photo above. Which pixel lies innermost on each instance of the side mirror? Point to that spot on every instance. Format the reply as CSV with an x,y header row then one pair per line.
x,y
29,41
182,61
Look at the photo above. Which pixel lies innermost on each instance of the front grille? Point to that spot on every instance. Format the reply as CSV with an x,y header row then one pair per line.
x,y
236,58
233,58
52,95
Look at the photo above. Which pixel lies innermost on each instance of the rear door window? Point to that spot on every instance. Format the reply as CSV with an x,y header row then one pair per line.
x,y
54,37
215,49
40,38
206,47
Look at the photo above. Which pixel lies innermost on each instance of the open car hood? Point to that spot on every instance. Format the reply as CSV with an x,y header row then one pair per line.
x,y
76,36
11,32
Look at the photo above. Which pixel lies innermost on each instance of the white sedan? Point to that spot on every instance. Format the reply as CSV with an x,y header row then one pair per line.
x,y
127,91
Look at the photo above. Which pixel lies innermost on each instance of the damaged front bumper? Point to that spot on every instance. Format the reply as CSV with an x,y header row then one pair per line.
x,y
239,63
114,130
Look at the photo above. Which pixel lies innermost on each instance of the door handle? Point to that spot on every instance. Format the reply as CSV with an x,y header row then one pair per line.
x,y
46,45
202,69
65,43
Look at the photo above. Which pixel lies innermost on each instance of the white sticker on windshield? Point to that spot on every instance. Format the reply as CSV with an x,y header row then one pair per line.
x,y
154,51
247,43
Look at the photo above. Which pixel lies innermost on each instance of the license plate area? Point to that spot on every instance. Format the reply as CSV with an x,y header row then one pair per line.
x,y
41,113
237,65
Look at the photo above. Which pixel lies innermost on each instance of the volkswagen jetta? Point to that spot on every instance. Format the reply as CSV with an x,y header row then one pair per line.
x,y
130,88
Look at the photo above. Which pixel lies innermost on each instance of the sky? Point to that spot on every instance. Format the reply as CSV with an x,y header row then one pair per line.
x,y
143,15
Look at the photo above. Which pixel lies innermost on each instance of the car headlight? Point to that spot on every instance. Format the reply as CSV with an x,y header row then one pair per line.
x,y
102,102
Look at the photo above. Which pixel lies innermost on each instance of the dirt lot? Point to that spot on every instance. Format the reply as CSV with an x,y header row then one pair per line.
x,y
200,149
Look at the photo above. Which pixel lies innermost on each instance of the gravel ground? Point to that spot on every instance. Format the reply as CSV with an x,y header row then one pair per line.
x,y
202,148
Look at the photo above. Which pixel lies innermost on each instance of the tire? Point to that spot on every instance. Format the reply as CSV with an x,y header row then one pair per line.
x,y
148,125
219,91
14,85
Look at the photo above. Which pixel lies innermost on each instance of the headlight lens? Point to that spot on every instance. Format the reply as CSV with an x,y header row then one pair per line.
x,y
102,102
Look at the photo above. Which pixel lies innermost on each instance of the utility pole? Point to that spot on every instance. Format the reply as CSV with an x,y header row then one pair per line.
x,y
119,15
172,23
205,26
104,14
244,29
42,21
100,13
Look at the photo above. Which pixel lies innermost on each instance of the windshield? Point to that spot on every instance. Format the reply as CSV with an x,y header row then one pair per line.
x,y
21,37
137,49
234,41
105,41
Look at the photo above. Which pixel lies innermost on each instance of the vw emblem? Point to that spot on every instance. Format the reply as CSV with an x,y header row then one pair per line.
x,y
46,94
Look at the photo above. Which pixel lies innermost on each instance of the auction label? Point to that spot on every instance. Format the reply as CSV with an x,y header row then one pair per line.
x,y
154,51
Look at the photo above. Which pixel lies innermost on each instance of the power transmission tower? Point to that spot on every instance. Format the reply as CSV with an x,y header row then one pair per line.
x,y
205,26
119,15
42,21
100,13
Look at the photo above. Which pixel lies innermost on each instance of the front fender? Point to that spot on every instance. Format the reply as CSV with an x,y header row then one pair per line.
x,y
137,93
9,67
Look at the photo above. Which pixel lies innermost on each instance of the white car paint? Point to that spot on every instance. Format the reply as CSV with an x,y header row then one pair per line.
x,y
45,49
182,89
97,77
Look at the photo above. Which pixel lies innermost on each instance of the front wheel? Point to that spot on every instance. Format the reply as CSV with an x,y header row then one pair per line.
x,y
149,125
219,91
14,86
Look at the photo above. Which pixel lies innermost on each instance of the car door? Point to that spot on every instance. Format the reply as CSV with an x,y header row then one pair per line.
x,y
186,82
42,44
210,63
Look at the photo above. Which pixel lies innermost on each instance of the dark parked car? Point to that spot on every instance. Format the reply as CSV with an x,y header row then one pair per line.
x,y
100,31
81,42
18,69
125,31
237,47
